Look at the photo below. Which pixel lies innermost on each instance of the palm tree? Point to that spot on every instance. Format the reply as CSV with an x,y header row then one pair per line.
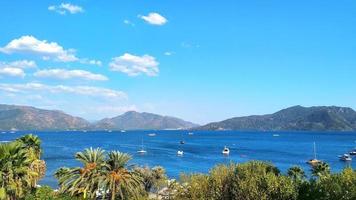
x,y
32,142
32,145
15,173
320,170
118,180
296,173
83,181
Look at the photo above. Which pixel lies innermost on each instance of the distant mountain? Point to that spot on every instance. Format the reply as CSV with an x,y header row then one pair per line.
x,y
30,118
139,121
319,118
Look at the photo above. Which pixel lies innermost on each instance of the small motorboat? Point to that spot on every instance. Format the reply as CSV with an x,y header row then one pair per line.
x,y
152,134
226,151
123,131
182,142
180,153
353,152
345,157
275,135
109,131
190,133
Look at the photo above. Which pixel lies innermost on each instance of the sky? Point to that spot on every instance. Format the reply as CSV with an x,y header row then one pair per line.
x,y
198,60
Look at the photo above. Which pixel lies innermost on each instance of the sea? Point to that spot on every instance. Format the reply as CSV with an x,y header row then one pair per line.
x,y
202,149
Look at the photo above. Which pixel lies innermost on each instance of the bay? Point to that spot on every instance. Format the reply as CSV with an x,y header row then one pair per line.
x,y
202,150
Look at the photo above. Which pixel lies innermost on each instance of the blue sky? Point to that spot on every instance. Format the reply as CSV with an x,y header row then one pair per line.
x,y
199,60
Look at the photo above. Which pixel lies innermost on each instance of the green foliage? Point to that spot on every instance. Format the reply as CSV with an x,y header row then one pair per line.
x,y
153,179
108,177
20,167
320,170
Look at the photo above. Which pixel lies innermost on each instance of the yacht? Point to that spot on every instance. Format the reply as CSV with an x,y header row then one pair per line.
x,y
142,150
180,153
190,133
353,152
345,157
226,151
152,134
123,131
314,161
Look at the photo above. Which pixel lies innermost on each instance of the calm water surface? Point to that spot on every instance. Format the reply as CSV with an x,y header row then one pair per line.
x,y
201,150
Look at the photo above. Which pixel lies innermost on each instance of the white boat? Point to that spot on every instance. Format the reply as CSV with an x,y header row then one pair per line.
x,y
226,151
180,153
314,161
142,150
3,132
345,157
152,134
109,131
353,152
190,133
275,135
123,131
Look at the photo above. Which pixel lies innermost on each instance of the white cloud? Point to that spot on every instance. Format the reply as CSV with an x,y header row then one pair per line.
x,y
70,74
23,64
78,90
48,50
154,19
12,71
65,8
135,65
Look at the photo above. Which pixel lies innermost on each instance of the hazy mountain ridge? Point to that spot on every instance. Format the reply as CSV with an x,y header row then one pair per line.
x,y
298,118
31,118
139,121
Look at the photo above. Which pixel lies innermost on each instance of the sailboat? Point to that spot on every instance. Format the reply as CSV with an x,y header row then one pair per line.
x,y
314,161
142,150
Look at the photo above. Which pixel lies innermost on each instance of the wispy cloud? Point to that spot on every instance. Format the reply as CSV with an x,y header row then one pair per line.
x,y
70,74
91,62
168,53
65,8
128,22
22,64
154,19
78,90
48,50
135,65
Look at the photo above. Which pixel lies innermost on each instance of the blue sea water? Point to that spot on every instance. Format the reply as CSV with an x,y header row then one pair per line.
x,y
201,150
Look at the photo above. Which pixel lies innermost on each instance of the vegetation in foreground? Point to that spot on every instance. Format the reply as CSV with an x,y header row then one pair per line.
x,y
107,175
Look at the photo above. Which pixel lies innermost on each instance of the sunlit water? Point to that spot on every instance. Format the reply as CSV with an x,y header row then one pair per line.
x,y
202,150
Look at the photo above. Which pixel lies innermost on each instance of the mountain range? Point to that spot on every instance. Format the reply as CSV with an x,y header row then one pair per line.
x,y
296,118
139,121
13,117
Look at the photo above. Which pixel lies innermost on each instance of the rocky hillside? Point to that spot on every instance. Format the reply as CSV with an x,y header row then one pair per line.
x,y
138,121
319,118
30,118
